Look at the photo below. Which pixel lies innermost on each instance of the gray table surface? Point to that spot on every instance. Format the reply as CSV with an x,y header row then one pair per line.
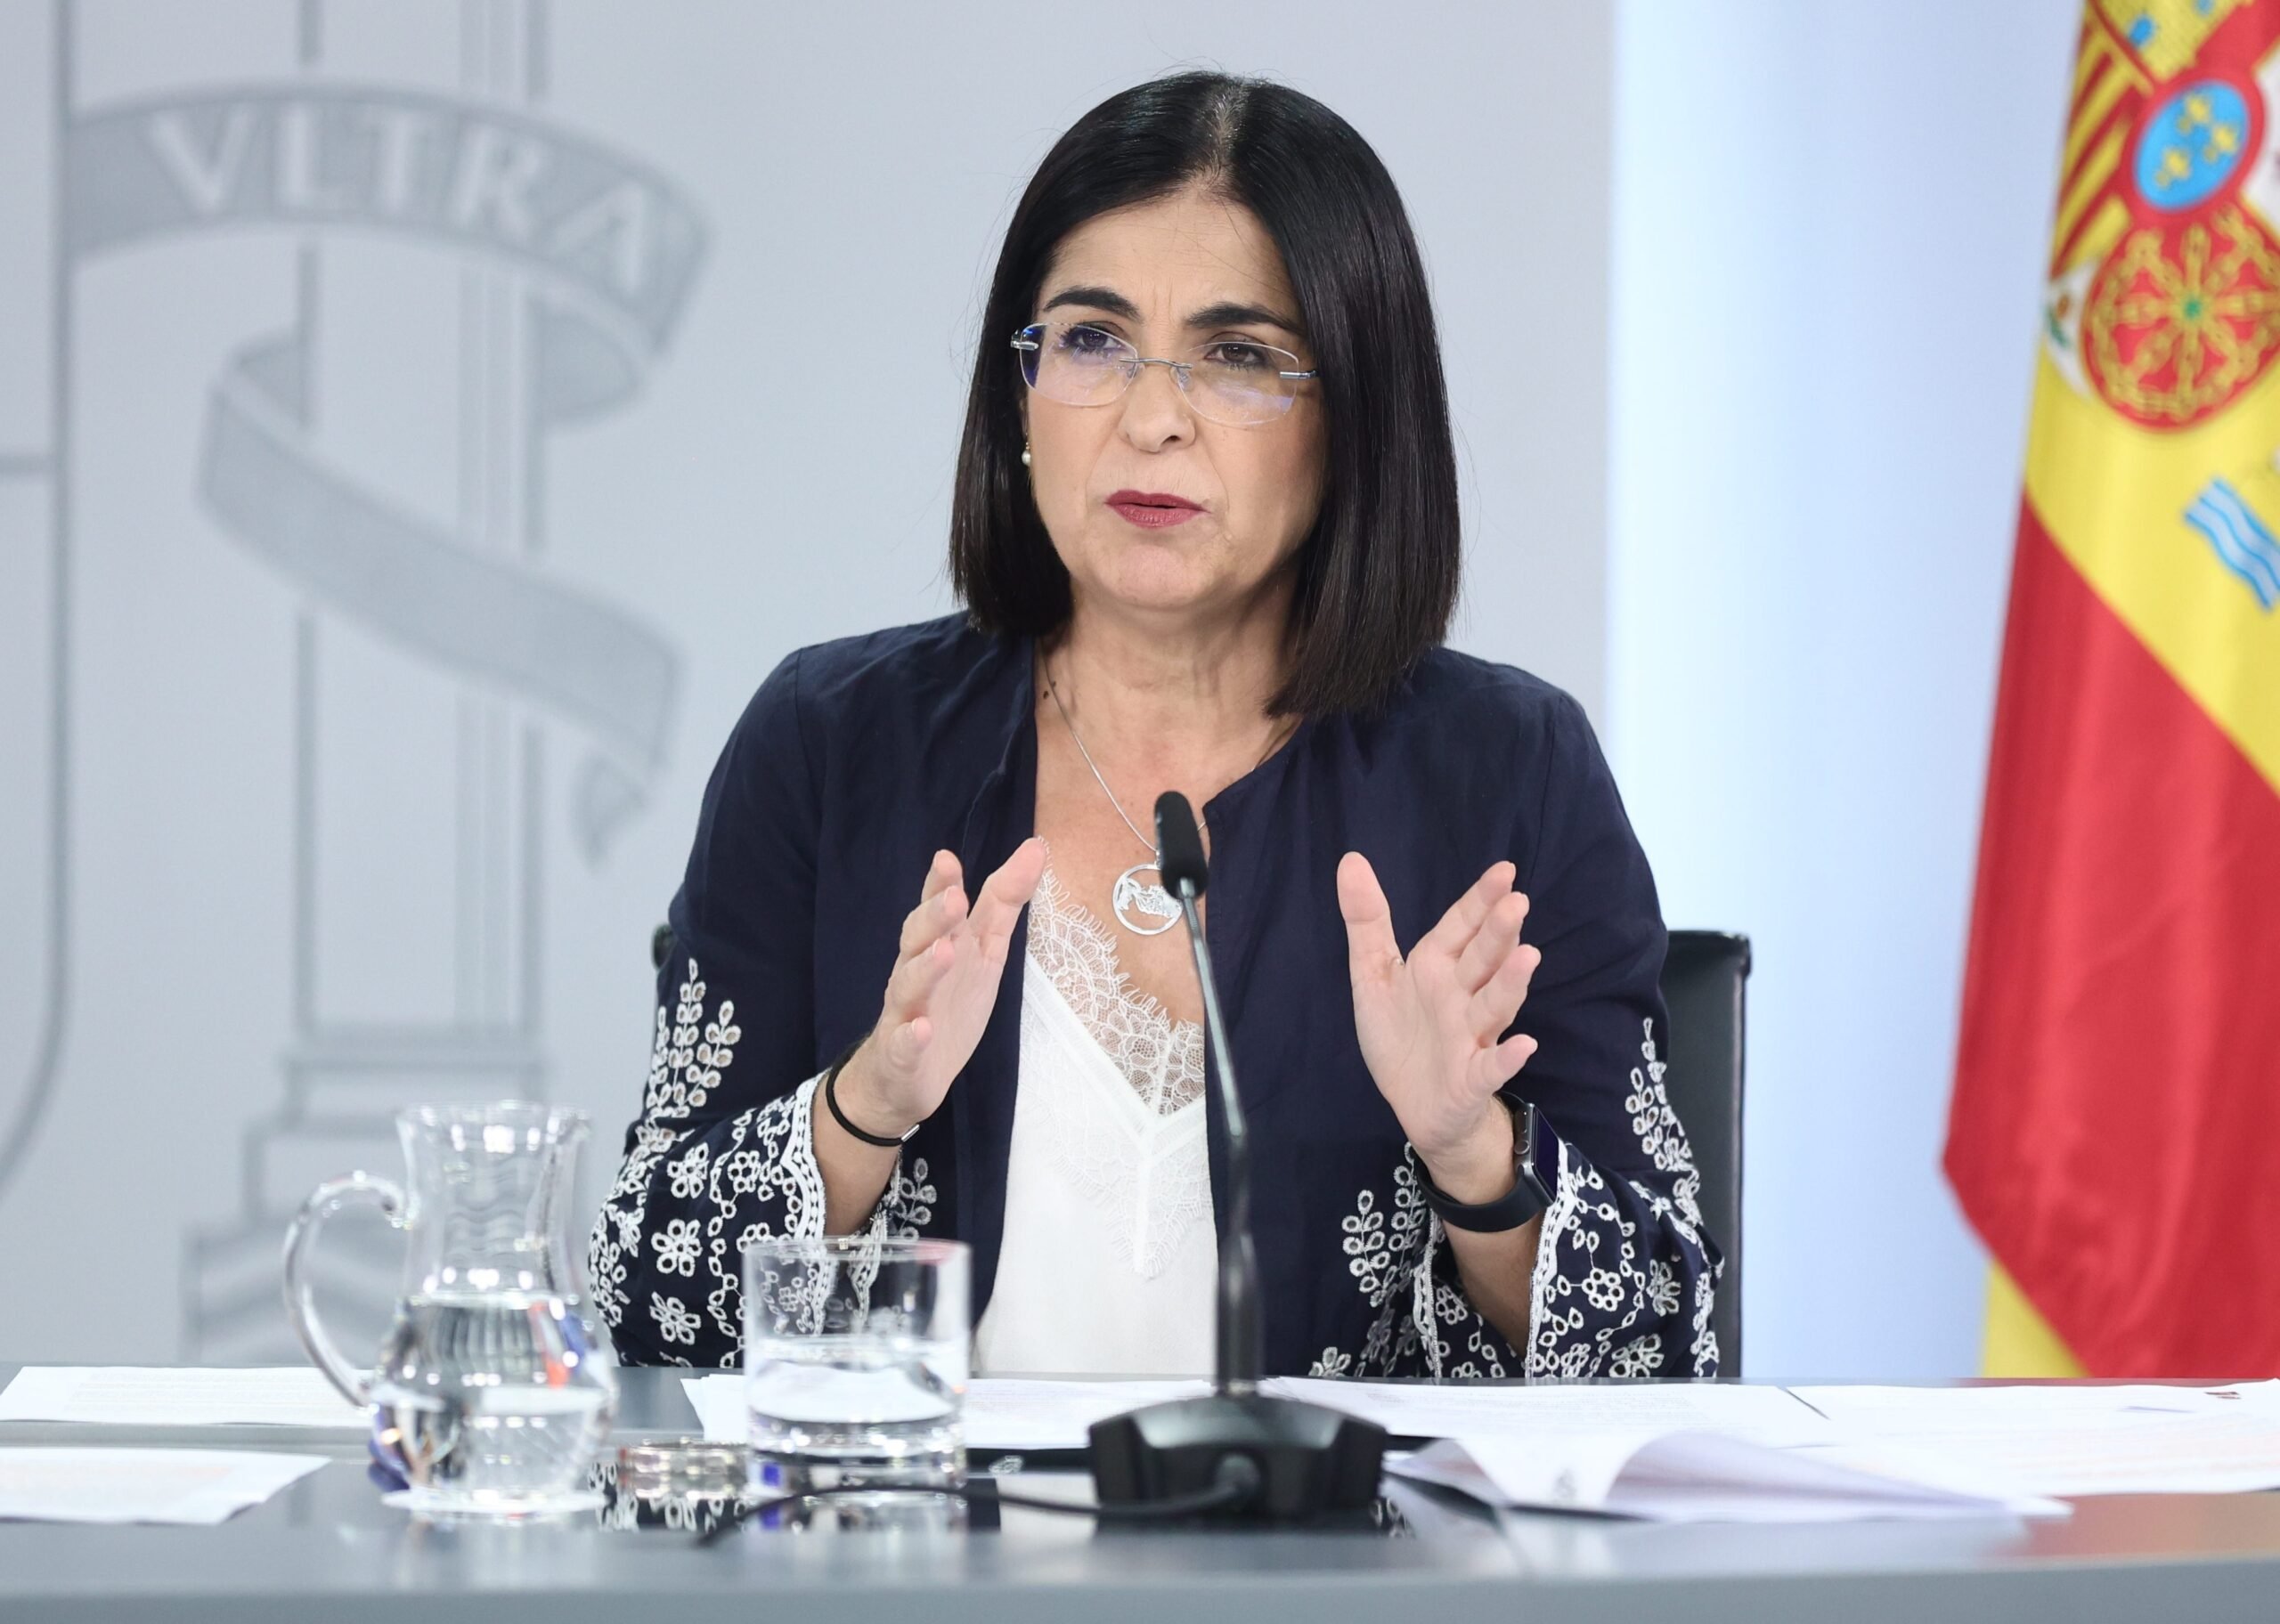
x,y
326,1549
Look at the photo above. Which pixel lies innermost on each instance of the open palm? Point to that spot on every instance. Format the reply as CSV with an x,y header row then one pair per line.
x,y
1429,1021
950,961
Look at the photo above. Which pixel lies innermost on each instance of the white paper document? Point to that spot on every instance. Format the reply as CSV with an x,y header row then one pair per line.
x,y
1005,1413
122,1395
1767,1415
193,1486
719,1401
1015,1413
1691,1477
1868,1411
2070,1440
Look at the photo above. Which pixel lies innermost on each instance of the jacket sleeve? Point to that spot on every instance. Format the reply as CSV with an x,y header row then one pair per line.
x,y
1626,1273
723,1151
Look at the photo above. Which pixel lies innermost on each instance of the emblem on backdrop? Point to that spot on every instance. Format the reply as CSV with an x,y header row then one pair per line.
x,y
571,263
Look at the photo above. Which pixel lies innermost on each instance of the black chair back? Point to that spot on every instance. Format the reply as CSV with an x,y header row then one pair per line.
x,y
1703,982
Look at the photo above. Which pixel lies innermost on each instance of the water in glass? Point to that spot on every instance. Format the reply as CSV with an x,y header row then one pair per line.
x,y
856,1357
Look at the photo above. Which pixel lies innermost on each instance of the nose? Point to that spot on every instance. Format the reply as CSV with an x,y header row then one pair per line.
x,y
1156,411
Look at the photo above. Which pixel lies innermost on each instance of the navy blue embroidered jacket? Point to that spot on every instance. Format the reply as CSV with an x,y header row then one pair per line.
x,y
857,759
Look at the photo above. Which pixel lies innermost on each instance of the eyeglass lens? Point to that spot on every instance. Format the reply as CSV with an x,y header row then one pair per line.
x,y
1236,381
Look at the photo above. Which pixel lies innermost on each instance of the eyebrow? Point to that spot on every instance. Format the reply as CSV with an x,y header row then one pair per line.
x,y
1227,313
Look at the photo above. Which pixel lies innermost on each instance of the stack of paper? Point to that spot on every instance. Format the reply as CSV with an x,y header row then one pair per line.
x,y
120,1395
1693,1476
1675,1452
192,1486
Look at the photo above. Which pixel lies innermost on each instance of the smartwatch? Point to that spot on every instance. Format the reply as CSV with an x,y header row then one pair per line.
x,y
1527,1196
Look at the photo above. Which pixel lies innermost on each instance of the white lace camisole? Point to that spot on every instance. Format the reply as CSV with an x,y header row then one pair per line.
x,y
1109,1256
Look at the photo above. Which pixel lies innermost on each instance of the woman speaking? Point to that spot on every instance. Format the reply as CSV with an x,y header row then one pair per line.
x,y
925,979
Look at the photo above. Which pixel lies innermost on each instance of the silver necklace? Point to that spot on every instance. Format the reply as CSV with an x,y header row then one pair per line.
x,y
1132,895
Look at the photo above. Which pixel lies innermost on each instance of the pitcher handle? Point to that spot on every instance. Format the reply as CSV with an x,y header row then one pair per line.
x,y
300,1297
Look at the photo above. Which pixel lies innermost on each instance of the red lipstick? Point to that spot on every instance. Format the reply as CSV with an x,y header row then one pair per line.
x,y
1153,509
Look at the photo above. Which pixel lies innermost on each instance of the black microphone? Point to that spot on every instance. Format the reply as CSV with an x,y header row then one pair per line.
x,y
1179,860
1237,1453
1179,851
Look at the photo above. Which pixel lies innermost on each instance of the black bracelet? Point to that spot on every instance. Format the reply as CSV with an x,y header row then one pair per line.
x,y
831,1099
1526,1199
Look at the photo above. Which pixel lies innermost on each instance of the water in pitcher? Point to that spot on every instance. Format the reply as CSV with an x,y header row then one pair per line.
x,y
490,1401
491,1396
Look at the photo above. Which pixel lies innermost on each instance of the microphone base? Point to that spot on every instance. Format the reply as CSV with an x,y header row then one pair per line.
x,y
1310,1461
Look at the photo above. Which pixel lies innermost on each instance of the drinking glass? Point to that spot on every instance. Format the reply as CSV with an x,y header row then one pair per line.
x,y
491,1394
856,1357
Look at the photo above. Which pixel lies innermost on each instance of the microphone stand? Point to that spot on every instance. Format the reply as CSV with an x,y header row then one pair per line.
x,y
1237,1453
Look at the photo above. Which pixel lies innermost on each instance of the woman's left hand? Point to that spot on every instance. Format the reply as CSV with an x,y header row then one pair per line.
x,y
1429,1023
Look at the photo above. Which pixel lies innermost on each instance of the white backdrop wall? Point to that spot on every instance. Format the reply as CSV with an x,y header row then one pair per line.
x,y
1830,221
422,423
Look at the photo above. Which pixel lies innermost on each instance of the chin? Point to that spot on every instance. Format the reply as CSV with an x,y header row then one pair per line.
x,y
1156,590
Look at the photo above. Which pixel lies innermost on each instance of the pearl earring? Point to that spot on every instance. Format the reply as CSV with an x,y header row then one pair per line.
x,y
1025,453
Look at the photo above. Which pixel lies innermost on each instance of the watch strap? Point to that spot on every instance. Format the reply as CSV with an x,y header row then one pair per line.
x,y
1526,1199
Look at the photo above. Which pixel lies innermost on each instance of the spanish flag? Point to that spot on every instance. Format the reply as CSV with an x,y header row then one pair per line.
x,y
2115,1135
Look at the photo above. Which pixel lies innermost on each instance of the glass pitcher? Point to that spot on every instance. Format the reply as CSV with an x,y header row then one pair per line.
x,y
492,1395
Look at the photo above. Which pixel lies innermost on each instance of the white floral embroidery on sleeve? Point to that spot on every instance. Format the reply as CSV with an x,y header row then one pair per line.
x,y
1618,1261
695,1189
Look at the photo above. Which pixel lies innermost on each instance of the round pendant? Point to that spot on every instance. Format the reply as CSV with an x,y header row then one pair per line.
x,y
1142,908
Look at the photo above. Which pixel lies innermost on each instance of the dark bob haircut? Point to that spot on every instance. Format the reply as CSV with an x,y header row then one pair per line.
x,y
1377,575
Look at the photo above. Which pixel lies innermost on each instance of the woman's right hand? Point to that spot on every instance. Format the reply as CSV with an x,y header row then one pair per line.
x,y
939,998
